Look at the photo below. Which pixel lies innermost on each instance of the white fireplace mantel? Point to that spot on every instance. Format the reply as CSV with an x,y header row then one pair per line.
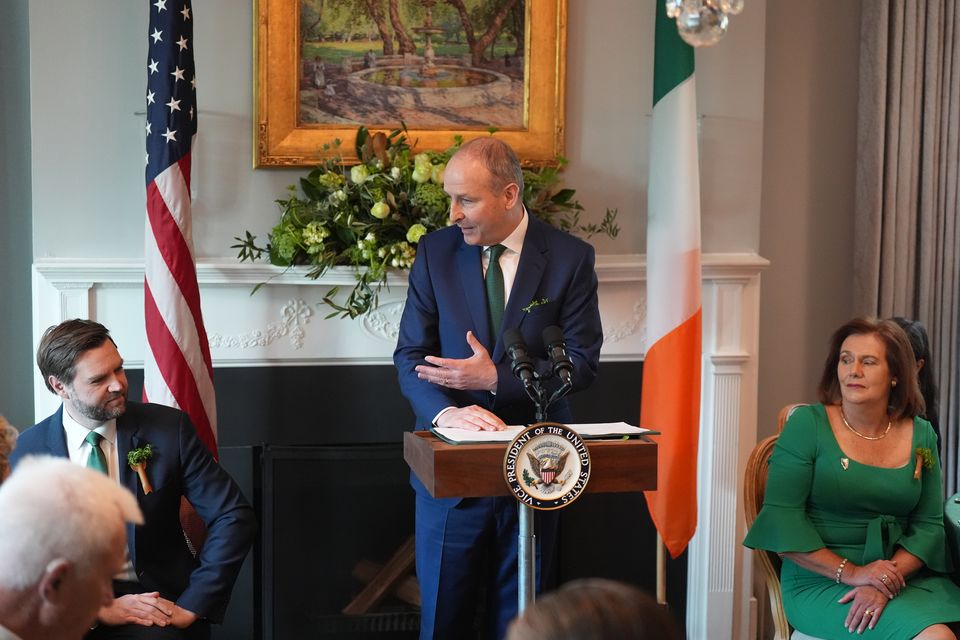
x,y
283,324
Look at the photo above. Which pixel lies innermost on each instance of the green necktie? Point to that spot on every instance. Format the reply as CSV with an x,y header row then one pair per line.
x,y
96,460
494,286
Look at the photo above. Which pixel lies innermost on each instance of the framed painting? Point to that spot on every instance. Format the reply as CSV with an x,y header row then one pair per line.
x,y
441,68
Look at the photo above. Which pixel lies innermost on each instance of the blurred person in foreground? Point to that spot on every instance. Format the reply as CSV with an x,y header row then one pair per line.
x,y
62,538
594,609
854,503
917,334
8,440
164,592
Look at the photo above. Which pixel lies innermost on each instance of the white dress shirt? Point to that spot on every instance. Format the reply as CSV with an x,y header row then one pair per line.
x,y
509,259
79,451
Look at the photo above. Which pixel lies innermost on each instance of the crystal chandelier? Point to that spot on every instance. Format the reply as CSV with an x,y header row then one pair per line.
x,y
702,23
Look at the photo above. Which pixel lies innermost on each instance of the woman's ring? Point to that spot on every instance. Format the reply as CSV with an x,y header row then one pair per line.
x,y
884,578
868,612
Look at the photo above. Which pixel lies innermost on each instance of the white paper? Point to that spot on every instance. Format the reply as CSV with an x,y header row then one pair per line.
x,y
592,430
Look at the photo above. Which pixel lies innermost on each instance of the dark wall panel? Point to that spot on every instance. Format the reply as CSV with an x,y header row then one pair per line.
x,y
331,407
362,404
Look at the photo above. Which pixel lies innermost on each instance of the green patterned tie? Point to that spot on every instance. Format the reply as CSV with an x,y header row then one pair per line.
x,y
96,460
494,286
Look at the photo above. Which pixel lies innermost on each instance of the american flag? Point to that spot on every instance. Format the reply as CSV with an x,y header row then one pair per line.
x,y
177,367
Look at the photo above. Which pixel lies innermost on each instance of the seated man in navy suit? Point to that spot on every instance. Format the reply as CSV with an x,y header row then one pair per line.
x,y
163,590
453,368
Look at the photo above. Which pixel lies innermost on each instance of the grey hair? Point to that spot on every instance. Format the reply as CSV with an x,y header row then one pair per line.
x,y
55,509
498,158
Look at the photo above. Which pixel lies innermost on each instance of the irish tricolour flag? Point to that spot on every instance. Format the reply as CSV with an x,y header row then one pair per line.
x,y
670,401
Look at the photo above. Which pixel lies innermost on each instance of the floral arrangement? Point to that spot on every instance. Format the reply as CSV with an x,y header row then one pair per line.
x,y
372,215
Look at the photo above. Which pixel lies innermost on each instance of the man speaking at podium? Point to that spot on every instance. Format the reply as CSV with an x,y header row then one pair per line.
x,y
494,269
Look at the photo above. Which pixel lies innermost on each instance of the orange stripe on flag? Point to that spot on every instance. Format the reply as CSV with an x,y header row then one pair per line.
x,y
670,404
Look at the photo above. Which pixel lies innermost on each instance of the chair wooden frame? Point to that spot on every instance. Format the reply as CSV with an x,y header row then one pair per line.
x,y
754,487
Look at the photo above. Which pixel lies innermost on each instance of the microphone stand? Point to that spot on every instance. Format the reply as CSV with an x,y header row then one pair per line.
x,y
527,539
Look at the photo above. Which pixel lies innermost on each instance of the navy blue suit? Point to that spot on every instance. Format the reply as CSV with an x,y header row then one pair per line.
x,y
457,539
181,466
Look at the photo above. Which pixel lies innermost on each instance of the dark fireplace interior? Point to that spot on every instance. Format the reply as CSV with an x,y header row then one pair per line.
x,y
318,450
332,510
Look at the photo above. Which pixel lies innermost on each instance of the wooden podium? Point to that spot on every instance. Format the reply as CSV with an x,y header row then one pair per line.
x,y
476,470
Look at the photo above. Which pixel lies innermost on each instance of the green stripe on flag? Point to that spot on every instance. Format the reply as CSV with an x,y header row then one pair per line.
x,y
672,58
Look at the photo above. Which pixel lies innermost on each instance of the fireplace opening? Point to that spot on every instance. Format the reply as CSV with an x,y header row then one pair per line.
x,y
336,517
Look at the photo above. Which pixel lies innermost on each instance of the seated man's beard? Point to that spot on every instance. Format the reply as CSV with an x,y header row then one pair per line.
x,y
100,413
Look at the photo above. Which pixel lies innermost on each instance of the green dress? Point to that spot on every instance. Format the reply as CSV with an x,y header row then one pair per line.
x,y
818,497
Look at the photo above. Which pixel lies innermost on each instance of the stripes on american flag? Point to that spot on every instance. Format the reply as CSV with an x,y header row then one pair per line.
x,y
177,366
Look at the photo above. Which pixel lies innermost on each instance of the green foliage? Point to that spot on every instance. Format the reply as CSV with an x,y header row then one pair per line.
x,y
530,480
372,215
140,456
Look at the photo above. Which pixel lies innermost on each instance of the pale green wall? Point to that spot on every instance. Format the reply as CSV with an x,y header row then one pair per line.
x,y
88,142
778,96
809,164
16,376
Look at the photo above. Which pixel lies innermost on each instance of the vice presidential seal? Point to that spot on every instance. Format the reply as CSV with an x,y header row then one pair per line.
x,y
547,466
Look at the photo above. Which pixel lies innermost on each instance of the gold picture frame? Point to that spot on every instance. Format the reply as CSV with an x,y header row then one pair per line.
x,y
283,138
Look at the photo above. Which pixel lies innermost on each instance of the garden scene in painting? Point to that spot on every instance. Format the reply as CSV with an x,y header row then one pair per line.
x,y
431,64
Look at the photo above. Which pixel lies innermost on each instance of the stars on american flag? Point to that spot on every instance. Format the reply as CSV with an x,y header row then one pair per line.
x,y
171,85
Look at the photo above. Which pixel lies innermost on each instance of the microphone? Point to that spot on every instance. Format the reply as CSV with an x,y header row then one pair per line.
x,y
522,364
557,350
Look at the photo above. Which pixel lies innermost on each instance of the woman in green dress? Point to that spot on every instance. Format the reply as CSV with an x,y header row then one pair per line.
x,y
854,503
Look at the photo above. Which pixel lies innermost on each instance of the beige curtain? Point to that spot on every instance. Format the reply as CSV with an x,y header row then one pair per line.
x,y
907,254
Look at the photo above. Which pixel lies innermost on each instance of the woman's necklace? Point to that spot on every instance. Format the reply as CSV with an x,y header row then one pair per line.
x,y
879,437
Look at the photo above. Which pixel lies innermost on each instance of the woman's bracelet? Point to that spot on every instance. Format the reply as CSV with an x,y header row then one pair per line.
x,y
843,563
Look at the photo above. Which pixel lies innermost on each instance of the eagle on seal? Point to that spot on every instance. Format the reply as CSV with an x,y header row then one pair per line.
x,y
548,470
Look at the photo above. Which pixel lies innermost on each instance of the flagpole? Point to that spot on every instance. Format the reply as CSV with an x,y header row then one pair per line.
x,y
661,572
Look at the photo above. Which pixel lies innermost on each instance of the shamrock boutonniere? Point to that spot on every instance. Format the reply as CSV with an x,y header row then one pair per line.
x,y
137,459
535,303
924,460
